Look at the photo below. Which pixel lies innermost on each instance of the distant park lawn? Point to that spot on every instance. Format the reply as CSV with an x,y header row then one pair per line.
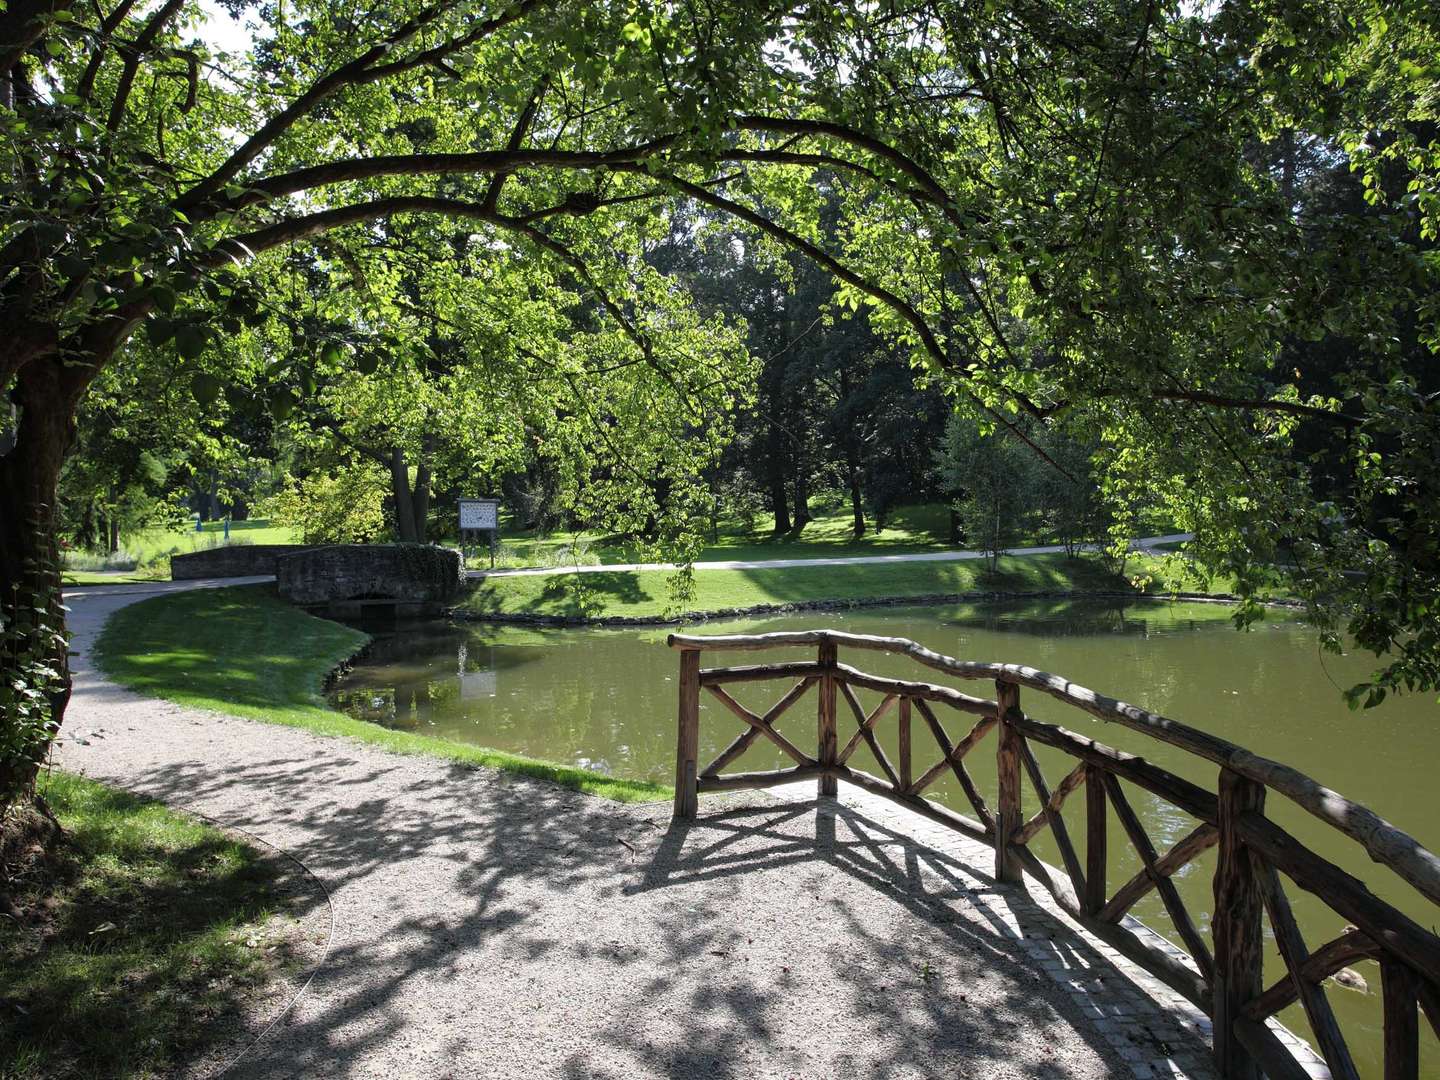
x,y
244,651
909,530
141,933
647,593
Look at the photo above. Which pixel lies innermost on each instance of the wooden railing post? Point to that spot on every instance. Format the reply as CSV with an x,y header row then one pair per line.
x,y
1402,1023
1237,926
827,748
907,776
1095,836
687,741
1007,761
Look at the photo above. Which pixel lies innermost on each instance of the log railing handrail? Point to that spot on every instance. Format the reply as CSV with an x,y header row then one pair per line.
x,y
1382,841
1252,847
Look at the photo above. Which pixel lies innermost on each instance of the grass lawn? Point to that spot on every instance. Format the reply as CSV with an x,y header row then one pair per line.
x,y
155,542
246,652
647,593
910,529
102,577
140,934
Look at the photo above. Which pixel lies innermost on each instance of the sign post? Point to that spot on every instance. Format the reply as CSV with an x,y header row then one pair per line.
x,y
481,516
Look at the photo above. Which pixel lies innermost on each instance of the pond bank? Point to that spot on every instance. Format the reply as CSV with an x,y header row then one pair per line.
x,y
523,618
645,596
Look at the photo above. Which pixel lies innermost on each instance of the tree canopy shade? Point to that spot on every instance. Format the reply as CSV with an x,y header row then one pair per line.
x,y
1095,216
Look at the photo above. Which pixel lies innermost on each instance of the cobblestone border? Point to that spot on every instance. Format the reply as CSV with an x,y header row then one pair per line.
x,y
1153,1028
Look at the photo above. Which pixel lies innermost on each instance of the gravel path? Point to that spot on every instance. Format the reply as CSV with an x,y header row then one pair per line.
x,y
488,925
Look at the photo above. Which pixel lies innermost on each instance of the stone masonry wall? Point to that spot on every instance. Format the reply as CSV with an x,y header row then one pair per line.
x,y
337,572
232,560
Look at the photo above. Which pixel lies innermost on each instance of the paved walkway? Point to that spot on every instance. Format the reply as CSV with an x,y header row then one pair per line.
x,y
489,925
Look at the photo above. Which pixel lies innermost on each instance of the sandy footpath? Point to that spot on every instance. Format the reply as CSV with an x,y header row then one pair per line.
x,y
489,925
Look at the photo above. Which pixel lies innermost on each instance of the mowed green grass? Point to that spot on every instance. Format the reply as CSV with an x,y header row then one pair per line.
x,y
155,542
245,652
142,932
101,577
647,593
909,530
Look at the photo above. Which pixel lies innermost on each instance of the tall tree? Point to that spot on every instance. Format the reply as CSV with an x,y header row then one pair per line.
x,y
1055,208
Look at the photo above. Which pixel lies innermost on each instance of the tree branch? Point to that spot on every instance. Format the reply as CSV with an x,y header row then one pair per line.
x,y
357,72
133,55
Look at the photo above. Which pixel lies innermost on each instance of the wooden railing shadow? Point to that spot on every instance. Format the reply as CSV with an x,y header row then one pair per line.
x,y
1226,982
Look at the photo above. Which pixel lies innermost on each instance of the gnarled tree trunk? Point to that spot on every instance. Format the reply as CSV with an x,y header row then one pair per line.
x,y
44,394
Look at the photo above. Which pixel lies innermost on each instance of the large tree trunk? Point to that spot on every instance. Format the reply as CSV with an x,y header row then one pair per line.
x,y
857,501
420,503
400,490
412,506
45,393
779,503
802,492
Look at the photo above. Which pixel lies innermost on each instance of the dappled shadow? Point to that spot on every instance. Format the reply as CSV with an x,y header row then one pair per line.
x,y
491,924
140,941
584,595
1029,573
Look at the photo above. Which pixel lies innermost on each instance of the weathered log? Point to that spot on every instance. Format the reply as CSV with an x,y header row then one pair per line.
x,y
1402,1025
1291,944
1057,823
952,759
866,731
1096,837
1382,841
759,725
1202,839
1191,798
687,740
826,719
744,740
1072,780
1140,841
1349,947
1007,766
800,669
957,753
863,722
1237,927
772,778
906,775
1390,929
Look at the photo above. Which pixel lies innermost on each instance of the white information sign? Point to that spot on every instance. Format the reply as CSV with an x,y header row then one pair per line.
x,y
479,513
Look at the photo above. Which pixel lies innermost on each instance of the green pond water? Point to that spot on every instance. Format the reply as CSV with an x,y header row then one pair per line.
x,y
605,700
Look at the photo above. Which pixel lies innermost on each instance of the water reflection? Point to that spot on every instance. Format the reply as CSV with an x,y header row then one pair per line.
x,y
411,676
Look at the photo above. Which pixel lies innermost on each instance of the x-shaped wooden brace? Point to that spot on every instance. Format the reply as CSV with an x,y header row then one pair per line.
x,y
759,725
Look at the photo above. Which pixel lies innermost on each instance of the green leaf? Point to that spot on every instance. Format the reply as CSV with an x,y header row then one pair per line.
x,y
282,402
205,388
159,330
190,340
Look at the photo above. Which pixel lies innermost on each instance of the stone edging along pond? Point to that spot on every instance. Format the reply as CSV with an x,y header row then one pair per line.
x,y
713,614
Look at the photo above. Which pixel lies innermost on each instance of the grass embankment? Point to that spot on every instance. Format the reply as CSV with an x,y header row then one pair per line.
x,y
909,530
245,652
136,937
646,594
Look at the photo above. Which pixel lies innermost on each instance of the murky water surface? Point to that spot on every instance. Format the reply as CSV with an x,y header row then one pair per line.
x,y
605,699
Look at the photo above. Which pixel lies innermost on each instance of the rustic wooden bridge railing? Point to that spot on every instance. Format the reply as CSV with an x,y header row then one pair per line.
x,y
1226,982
